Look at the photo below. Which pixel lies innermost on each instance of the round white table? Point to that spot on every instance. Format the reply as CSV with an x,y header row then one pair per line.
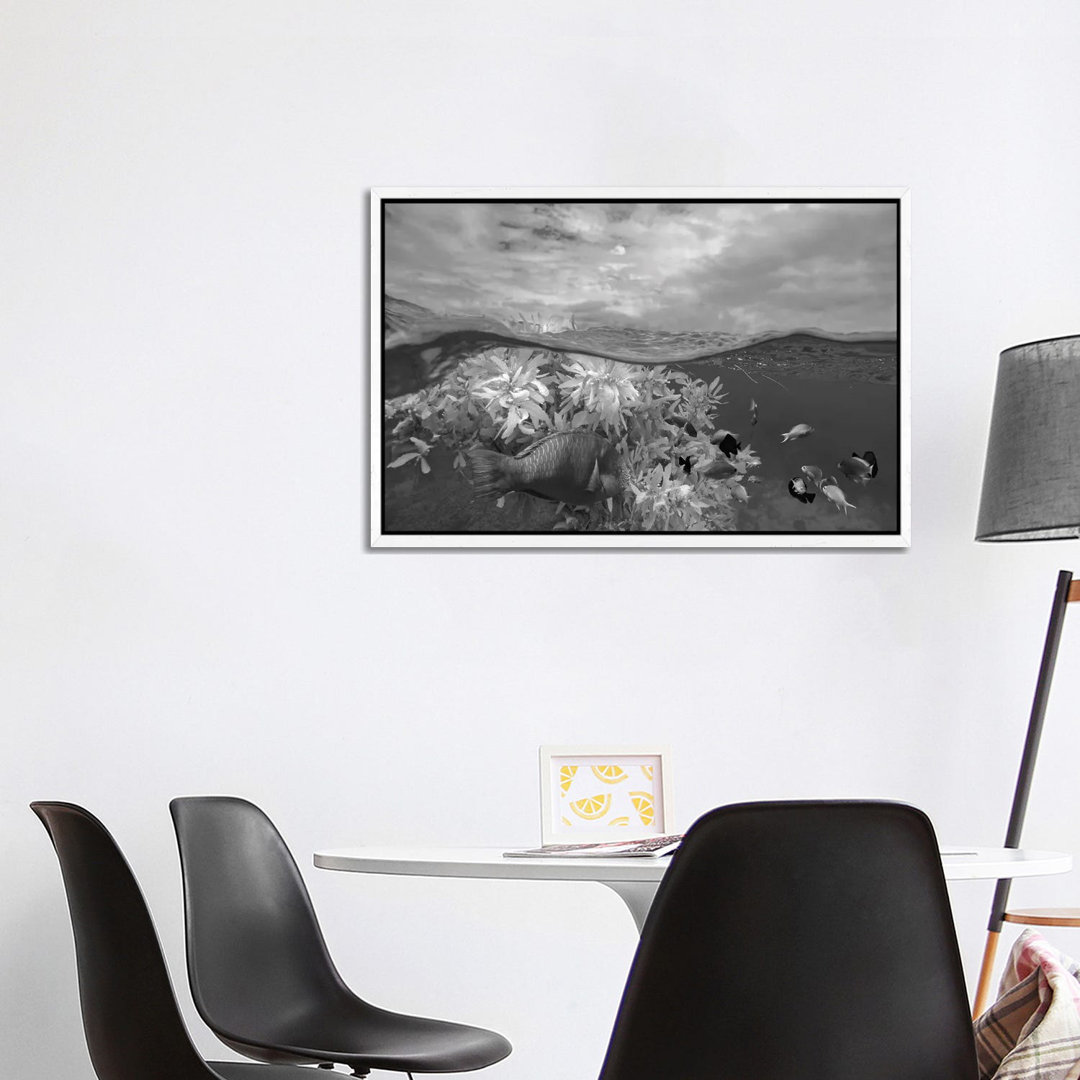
x,y
636,879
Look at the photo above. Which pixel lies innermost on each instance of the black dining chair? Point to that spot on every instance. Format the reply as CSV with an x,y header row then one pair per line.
x,y
133,1026
798,941
259,969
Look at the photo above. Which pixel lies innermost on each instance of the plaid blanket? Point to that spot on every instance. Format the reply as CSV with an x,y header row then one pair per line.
x,y
1032,1031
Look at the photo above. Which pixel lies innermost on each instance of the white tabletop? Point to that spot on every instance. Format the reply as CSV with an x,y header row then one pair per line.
x,y
960,863
636,880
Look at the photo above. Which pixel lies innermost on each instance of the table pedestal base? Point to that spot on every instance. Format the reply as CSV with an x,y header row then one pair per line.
x,y
637,896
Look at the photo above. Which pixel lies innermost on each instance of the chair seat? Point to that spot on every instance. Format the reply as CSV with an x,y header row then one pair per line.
x,y
1068,916
366,1038
245,1070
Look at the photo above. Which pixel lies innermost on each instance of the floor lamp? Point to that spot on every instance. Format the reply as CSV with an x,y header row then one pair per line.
x,y
1031,491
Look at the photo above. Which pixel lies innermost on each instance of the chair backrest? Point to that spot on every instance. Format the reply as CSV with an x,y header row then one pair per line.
x,y
255,952
798,941
133,1025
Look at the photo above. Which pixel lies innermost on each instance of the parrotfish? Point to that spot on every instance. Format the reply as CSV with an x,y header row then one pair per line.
x,y
797,487
812,472
837,497
799,431
576,467
753,412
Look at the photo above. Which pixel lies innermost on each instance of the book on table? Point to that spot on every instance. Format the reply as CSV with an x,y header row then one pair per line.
x,y
649,847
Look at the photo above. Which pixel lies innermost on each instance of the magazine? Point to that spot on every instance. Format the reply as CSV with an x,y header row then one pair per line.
x,y
650,846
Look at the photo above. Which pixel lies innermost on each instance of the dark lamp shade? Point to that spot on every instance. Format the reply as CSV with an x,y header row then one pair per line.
x,y
1031,483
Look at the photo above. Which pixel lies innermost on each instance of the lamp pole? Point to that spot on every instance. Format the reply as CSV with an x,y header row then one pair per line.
x,y
1062,595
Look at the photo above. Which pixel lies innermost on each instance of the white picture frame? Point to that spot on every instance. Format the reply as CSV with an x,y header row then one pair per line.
x,y
590,794
410,499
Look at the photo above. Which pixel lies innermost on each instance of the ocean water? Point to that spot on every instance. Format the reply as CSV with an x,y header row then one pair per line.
x,y
844,386
847,415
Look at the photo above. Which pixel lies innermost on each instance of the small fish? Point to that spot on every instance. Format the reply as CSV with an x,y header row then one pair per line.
x,y
729,445
575,467
753,412
740,492
858,469
814,473
797,487
685,425
718,469
837,497
406,428
799,431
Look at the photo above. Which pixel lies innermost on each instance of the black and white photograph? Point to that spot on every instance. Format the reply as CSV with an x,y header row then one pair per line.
x,y
637,368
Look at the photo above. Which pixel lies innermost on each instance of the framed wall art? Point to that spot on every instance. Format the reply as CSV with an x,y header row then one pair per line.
x,y
596,793
640,368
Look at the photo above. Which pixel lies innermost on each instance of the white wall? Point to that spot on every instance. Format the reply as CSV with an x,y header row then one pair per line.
x,y
187,604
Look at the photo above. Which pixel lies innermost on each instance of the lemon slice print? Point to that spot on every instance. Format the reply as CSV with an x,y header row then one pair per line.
x,y
609,774
643,804
592,808
624,820
646,771
566,777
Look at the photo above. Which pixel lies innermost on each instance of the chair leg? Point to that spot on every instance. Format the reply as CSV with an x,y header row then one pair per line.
x,y
982,992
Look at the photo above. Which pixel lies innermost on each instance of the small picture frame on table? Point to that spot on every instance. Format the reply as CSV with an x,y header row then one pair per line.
x,y
591,794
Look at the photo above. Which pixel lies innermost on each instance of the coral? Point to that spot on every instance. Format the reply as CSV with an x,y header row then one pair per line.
x,y
659,419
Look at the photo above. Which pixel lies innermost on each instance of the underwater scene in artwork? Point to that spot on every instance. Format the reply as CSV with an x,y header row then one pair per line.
x,y
534,425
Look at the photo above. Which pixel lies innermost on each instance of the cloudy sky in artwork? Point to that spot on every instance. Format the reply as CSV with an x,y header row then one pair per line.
x,y
740,267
